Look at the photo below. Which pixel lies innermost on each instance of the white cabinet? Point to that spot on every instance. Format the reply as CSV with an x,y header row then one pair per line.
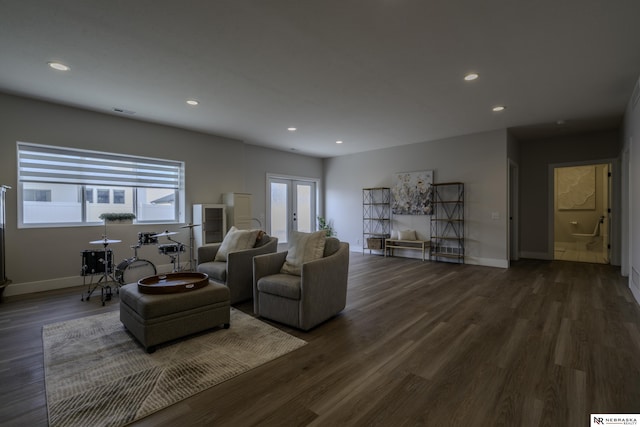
x,y
212,221
238,210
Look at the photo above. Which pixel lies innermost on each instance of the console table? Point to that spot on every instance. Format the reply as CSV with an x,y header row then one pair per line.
x,y
419,245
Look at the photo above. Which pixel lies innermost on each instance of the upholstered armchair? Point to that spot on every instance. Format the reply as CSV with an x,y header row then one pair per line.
x,y
235,268
302,300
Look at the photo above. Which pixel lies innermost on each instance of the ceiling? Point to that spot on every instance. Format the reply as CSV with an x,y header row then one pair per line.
x,y
371,73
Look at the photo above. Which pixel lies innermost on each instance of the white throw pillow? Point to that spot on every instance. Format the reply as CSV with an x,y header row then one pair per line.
x,y
236,240
407,234
394,234
303,247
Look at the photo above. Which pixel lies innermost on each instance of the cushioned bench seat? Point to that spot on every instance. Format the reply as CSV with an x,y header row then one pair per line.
x,y
157,318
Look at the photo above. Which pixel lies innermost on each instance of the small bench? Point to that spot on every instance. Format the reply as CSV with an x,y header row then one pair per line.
x,y
418,245
157,318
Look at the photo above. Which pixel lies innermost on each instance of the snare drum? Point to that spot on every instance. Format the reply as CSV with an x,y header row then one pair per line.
x,y
146,238
171,248
131,270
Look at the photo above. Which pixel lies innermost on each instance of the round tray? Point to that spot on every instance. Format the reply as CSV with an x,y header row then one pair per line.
x,y
172,283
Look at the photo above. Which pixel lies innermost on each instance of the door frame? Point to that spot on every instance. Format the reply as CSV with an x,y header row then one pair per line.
x,y
293,178
614,205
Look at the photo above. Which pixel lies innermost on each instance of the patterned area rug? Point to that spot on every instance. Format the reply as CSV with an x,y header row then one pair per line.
x,y
96,374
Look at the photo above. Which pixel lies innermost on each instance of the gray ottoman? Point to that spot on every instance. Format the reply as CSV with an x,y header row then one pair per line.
x,y
157,318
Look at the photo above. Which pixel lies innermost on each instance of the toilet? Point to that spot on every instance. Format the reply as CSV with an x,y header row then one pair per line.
x,y
584,239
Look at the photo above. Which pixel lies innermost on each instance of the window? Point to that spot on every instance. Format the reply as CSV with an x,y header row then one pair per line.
x,y
103,195
63,186
118,197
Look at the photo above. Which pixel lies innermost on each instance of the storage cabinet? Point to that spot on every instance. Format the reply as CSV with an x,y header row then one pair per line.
x,y
376,218
447,222
238,210
212,221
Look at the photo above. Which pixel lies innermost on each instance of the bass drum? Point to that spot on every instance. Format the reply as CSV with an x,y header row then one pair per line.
x,y
131,270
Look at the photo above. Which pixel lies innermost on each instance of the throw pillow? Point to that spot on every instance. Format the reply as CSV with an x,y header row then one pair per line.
x,y
303,247
236,240
407,234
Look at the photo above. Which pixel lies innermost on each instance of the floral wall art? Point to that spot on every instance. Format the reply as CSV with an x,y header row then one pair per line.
x,y
411,193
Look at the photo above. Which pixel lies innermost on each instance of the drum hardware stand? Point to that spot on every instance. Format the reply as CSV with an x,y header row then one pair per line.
x,y
192,261
179,245
174,257
105,288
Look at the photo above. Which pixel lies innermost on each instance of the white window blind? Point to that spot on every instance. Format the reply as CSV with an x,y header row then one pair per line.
x,y
42,163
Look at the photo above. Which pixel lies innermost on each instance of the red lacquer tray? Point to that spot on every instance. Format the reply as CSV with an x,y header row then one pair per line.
x,y
171,283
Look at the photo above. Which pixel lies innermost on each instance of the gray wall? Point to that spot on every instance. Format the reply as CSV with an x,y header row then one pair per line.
x,y
631,189
478,160
46,258
535,196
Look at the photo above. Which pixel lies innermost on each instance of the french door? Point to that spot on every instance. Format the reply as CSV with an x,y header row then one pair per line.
x,y
292,207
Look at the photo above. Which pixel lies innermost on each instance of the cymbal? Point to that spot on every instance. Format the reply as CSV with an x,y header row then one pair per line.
x,y
166,233
190,226
104,242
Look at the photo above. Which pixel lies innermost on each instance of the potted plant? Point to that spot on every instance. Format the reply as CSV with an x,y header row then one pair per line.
x,y
118,217
327,226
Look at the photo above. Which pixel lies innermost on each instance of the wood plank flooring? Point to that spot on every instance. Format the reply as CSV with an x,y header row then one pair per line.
x,y
420,343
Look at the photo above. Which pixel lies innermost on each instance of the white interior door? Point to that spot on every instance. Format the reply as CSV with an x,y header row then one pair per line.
x,y
292,207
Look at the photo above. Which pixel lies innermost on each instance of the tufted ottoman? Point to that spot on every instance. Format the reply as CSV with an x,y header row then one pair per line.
x,y
157,318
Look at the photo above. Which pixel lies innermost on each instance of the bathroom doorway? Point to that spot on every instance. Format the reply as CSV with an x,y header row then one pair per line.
x,y
582,202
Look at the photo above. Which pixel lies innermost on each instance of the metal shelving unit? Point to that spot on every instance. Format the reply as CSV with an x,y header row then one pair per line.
x,y
376,218
447,222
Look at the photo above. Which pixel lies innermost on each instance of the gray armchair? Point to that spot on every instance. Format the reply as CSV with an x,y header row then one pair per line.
x,y
237,271
304,301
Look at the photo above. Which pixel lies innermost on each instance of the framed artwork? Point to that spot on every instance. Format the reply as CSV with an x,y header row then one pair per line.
x,y
576,187
411,193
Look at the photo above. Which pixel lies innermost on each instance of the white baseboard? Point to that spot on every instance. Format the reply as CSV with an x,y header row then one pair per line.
x,y
63,282
635,291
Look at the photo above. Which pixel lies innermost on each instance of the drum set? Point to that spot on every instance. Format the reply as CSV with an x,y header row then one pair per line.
x,y
132,269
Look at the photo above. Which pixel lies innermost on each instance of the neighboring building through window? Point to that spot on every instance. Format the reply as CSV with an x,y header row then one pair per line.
x,y
118,197
35,195
103,196
62,186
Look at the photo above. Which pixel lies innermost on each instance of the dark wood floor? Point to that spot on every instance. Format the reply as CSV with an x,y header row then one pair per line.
x,y
420,343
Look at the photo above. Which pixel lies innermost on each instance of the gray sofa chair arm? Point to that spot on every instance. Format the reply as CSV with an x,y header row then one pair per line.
x,y
239,268
265,265
324,287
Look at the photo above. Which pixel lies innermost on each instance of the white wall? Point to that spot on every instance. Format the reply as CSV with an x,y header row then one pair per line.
x,y
632,225
478,160
262,161
47,258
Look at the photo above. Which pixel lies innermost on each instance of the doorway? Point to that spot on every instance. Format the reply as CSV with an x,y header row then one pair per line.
x,y
292,206
582,213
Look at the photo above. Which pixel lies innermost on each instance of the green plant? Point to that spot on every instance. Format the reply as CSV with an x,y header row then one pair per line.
x,y
327,226
117,216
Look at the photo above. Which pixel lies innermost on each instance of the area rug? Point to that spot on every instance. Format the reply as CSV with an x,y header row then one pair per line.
x,y
96,374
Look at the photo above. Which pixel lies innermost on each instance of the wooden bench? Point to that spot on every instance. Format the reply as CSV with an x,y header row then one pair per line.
x,y
419,245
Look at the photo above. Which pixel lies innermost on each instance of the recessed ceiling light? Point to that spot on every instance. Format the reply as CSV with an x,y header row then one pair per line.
x,y
338,142
59,66
471,76
192,102
498,108
292,129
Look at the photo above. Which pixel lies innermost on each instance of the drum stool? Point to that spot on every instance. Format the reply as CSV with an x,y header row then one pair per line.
x,y
157,318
